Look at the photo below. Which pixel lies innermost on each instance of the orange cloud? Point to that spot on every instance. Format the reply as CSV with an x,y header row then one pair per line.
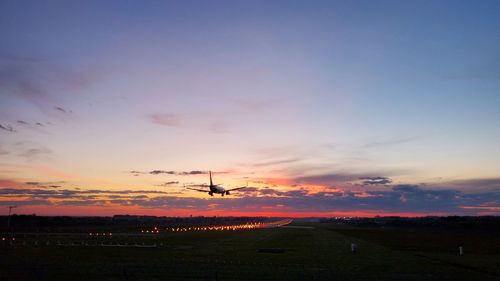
x,y
13,184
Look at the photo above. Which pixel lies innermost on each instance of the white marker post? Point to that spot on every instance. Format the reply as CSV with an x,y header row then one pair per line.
x,y
354,248
460,251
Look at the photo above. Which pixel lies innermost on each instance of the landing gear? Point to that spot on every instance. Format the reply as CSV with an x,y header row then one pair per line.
x,y
211,193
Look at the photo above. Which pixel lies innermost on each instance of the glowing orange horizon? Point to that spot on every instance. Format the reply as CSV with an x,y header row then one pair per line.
x,y
110,211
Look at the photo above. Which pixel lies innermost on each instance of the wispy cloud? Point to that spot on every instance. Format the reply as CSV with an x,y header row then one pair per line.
x,y
35,125
38,80
400,198
483,184
7,183
391,142
165,119
328,178
7,128
375,180
157,172
258,105
56,184
71,193
35,153
167,172
277,162
169,183
60,109
25,202
193,122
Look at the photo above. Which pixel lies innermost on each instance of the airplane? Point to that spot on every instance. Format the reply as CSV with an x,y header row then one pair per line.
x,y
216,188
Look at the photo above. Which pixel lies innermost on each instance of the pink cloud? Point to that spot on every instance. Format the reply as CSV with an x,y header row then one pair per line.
x,y
165,119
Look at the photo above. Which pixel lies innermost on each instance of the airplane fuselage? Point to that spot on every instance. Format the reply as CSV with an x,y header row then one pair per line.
x,y
217,189
213,188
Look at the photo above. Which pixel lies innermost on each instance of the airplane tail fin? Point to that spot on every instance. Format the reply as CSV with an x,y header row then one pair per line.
x,y
210,173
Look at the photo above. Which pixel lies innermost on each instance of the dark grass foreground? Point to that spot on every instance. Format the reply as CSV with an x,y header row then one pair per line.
x,y
319,253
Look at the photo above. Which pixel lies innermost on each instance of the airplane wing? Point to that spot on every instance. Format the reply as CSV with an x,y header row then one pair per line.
x,y
233,189
200,190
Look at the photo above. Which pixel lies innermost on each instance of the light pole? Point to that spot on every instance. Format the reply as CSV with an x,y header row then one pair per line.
x,y
8,219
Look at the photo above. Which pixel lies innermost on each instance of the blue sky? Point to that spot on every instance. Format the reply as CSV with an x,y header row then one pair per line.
x,y
266,92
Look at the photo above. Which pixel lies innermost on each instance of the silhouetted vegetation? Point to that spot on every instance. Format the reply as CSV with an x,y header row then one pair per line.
x,y
389,248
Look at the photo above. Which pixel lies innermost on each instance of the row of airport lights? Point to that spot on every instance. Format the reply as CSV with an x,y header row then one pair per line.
x,y
90,234
279,223
207,228
100,234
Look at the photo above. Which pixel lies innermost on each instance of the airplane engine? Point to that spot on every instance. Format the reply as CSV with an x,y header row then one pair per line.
x,y
227,193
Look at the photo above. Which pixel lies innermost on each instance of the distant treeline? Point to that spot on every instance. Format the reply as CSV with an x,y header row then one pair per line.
x,y
115,223
449,222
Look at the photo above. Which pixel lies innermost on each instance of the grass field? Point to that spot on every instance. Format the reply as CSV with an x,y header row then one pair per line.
x,y
319,253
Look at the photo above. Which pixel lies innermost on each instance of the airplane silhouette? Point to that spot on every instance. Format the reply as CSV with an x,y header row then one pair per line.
x,y
216,188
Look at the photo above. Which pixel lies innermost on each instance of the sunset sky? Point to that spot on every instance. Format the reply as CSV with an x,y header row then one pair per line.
x,y
323,108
